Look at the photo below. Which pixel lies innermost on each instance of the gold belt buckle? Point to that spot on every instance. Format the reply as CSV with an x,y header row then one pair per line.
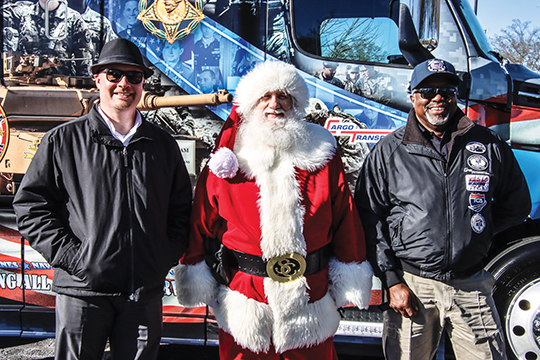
x,y
286,268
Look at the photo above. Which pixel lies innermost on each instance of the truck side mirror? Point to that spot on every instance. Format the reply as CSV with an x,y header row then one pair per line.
x,y
410,46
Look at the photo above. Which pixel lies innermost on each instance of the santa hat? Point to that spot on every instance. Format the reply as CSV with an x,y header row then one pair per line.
x,y
271,76
266,77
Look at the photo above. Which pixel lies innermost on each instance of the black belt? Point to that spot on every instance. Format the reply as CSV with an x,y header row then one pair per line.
x,y
255,265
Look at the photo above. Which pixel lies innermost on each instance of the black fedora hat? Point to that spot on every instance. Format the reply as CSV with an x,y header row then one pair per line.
x,y
120,51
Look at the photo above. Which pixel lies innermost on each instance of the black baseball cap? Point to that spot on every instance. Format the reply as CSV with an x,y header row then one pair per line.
x,y
120,51
330,65
434,67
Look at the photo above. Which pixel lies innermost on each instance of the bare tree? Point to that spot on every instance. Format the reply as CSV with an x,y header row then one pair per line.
x,y
354,40
519,44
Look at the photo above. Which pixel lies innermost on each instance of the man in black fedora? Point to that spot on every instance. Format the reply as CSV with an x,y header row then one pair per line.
x,y
107,203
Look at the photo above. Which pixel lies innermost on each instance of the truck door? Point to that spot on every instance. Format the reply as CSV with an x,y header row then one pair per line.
x,y
11,294
381,37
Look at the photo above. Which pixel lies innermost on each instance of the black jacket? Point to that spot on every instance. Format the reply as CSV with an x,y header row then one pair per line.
x,y
111,220
435,218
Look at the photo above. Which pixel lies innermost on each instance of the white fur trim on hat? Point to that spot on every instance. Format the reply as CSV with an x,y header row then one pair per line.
x,y
223,163
350,283
267,77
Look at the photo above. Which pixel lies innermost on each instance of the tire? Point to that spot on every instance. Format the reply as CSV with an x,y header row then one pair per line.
x,y
517,297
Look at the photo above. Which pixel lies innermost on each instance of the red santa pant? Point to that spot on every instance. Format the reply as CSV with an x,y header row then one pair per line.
x,y
230,350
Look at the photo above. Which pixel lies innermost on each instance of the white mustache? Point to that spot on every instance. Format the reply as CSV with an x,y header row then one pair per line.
x,y
274,112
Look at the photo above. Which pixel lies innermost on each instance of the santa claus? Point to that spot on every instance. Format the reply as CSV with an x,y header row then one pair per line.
x,y
274,200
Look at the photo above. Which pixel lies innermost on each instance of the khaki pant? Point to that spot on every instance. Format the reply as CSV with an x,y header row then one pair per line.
x,y
463,307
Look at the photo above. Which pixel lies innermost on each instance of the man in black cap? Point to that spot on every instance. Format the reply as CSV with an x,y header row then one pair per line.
x,y
107,203
328,74
431,196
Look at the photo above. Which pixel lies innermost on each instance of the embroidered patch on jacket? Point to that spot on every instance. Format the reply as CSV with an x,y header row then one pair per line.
x,y
477,183
477,162
478,223
476,147
477,202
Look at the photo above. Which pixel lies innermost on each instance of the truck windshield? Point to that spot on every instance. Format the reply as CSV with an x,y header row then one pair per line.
x,y
361,39
358,30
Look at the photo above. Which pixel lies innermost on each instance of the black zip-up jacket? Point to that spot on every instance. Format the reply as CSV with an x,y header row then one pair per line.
x,y
432,217
111,220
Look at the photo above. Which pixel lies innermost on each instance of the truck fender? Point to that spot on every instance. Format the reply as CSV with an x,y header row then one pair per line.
x,y
517,296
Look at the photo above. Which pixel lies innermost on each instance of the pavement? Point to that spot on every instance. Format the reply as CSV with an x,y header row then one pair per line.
x,y
26,349
43,349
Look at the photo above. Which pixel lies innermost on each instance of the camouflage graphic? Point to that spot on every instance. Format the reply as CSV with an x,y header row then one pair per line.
x,y
352,154
99,31
65,37
375,85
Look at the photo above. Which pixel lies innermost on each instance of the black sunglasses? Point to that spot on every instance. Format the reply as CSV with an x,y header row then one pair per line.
x,y
430,93
115,75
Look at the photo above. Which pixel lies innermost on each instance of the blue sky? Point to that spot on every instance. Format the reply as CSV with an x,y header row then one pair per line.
x,y
495,15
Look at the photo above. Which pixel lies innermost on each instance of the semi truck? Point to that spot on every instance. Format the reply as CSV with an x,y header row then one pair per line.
x,y
356,57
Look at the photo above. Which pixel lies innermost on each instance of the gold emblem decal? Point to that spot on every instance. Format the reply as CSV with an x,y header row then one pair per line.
x,y
171,14
286,268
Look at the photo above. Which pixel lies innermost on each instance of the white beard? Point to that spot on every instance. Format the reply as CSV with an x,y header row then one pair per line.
x,y
437,120
269,141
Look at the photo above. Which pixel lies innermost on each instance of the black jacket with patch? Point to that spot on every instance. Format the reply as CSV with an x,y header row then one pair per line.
x,y
432,217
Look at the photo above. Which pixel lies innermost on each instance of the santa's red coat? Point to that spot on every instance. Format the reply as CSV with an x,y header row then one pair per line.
x,y
311,206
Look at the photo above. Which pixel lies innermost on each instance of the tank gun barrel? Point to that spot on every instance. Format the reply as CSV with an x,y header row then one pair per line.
x,y
153,102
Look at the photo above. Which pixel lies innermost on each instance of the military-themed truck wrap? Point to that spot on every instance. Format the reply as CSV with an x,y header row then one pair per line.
x,y
355,55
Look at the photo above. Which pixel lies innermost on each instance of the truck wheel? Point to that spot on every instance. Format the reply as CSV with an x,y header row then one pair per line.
x,y
517,297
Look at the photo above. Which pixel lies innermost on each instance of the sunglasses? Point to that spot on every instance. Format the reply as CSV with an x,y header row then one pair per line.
x,y
430,93
114,76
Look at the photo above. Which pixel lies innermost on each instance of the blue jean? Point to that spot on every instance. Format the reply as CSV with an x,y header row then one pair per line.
x,y
83,325
463,307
